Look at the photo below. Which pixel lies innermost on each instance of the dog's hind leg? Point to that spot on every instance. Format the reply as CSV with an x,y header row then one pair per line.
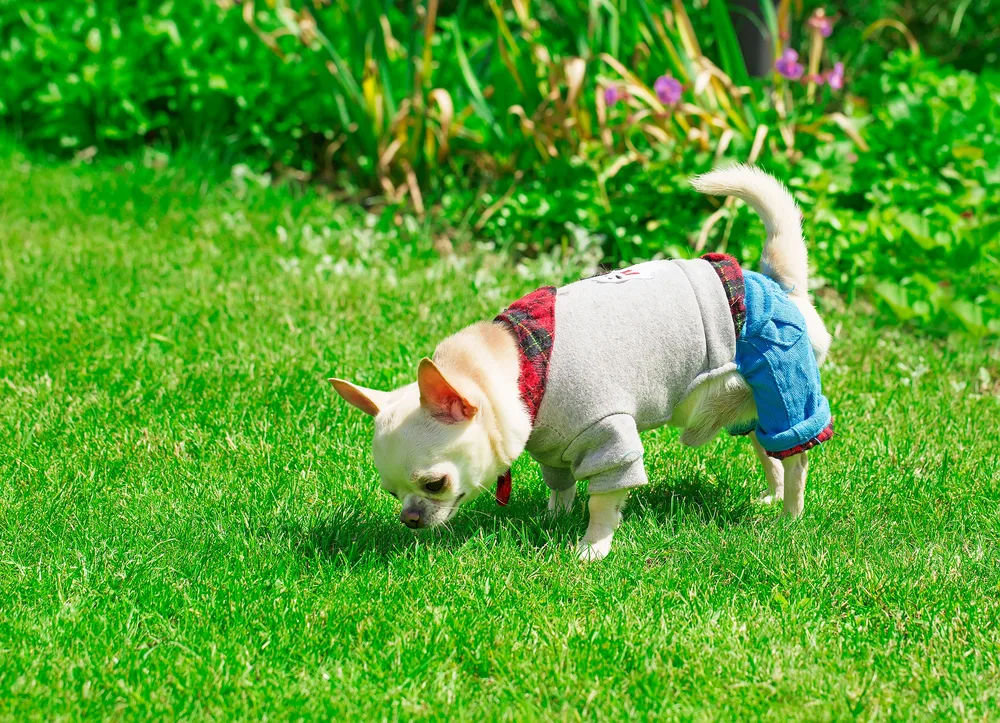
x,y
795,469
773,471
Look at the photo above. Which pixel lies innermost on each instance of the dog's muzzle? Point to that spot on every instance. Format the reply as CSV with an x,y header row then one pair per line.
x,y
411,518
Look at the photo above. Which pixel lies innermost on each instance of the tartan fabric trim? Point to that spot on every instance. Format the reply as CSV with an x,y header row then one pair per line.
x,y
532,320
731,276
818,439
504,484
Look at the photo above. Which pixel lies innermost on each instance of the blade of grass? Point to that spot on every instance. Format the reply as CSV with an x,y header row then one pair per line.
x,y
729,46
343,74
381,53
895,25
351,103
509,52
422,81
771,21
475,89
411,46
956,22
614,28
660,37
432,9
689,39
593,25
784,22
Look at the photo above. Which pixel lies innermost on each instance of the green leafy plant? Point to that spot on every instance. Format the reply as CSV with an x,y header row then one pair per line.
x,y
551,125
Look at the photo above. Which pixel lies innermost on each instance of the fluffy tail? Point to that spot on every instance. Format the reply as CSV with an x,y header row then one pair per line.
x,y
785,258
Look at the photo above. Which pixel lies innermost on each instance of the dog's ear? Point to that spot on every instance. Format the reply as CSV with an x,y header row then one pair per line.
x,y
440,398
369,401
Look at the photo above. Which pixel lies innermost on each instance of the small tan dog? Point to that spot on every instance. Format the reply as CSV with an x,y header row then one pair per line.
x,y
572,375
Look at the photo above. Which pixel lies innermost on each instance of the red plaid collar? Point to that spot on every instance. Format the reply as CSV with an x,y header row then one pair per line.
x,y
731,276
532,321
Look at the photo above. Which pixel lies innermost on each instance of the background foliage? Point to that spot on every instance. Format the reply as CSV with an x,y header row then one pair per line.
x,y
965,34
538,126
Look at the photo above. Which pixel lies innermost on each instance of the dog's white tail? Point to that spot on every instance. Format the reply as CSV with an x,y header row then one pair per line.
x,y
785,258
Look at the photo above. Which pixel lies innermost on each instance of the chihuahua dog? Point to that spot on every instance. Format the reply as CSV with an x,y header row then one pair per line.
x,y
572,375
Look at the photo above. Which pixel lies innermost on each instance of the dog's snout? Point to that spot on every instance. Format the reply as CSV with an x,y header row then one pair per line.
x,y
411,518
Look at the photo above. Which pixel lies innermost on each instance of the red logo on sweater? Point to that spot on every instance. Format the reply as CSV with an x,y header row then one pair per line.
x,y
622,275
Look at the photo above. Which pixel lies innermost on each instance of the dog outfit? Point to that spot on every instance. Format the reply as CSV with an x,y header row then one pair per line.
x,y
607,357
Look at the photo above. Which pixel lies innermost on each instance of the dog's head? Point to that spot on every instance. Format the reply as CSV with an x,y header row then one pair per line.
x,y
432,446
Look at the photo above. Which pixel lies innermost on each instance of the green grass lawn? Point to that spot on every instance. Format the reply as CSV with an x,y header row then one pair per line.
x,y
190,524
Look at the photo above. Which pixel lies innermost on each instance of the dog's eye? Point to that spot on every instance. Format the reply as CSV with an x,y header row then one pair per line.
x,y
436,485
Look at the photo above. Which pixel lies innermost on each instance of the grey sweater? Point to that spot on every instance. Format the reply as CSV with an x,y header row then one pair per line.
x,y
625,349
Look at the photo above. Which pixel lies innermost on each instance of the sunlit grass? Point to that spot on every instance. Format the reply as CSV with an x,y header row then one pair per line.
x,y
190,525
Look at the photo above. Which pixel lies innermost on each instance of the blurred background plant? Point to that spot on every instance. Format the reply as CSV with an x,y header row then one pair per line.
x,y
545,126
965,33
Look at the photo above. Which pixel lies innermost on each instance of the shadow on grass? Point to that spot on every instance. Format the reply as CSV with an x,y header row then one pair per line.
x,y
355,534
723,503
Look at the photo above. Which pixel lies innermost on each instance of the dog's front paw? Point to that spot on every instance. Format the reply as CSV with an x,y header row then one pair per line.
x,y
593,551
768,498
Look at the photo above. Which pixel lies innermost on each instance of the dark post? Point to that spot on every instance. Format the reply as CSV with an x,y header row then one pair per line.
x,y
757,46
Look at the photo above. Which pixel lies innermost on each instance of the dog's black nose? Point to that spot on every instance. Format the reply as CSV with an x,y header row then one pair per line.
x,y
411,518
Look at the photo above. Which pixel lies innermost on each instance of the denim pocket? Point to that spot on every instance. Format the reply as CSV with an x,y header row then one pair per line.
x,y
779,334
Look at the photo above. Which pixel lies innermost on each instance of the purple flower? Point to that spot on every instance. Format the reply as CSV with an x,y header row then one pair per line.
x,y
835,77
613,94
789,66
668,89
821,22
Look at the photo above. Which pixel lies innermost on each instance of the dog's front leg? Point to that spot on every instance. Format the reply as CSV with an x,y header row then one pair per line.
x,y
795,469
561,501
563,489
605,516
